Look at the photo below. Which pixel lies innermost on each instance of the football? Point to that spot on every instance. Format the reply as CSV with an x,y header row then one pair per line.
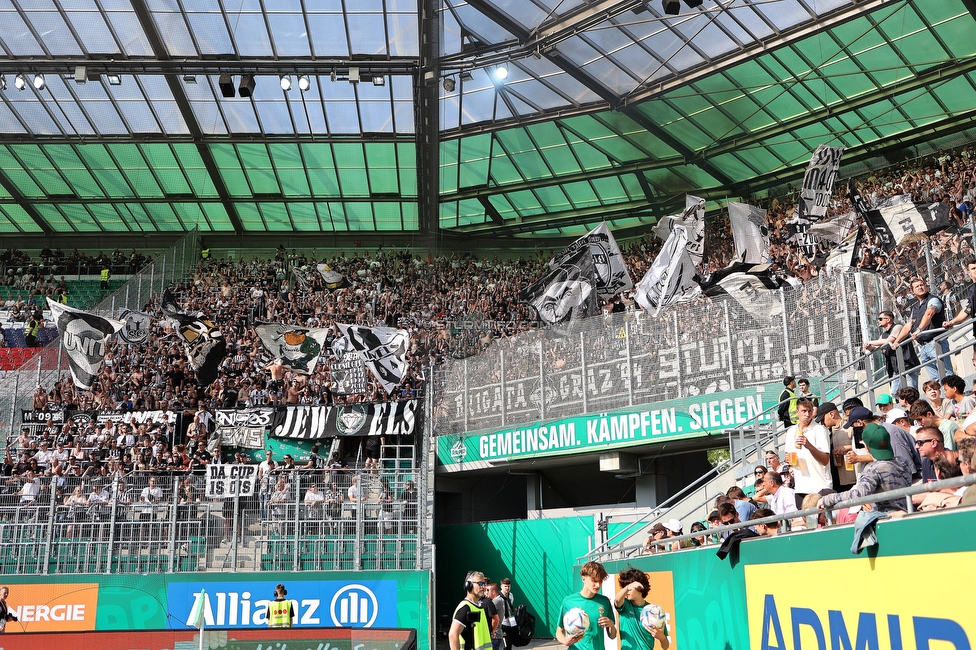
x,y
653,616
575,621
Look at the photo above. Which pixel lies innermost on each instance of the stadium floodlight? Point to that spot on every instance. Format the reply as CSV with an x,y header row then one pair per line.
x,y
501,72
449,84
39,82
286,82
20,82
3,82
303,82
114,79
379,80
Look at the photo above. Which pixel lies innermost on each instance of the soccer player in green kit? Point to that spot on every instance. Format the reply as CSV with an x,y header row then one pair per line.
x,y
596,606
629,603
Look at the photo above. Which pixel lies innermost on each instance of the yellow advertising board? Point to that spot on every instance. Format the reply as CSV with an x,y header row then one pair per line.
x,y
914,602
52,607
661,593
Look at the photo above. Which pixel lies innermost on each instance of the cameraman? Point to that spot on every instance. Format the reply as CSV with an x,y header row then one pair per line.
x,y
470,628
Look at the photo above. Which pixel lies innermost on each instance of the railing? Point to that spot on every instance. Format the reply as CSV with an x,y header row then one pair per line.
x,y
785,522
112,527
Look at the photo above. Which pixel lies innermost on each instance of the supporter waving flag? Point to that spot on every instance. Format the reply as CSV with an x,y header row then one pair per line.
x,y
671,278
384,350
297,347
611,271
85,337
693,221
204,343
567,292
750,232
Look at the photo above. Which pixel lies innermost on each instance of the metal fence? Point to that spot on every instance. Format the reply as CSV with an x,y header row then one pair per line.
x,y
72,525
618,360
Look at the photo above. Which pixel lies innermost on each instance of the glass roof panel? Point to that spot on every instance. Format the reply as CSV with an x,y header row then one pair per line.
x,y
54,218
304,217
288,33
51,26
16,219
275,216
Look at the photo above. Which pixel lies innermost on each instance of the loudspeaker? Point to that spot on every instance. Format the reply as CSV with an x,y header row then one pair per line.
x,y
672,7
246,89
226,84
693,3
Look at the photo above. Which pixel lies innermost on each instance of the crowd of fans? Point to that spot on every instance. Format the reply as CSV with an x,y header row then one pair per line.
x,y
436,298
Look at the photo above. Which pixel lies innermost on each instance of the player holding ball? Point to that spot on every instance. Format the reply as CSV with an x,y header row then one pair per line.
x,y
576,627
640,623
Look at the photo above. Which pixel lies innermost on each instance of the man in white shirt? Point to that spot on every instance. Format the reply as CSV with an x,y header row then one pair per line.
x,y
811,443
779,498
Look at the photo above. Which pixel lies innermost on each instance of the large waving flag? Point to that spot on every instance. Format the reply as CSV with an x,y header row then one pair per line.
x,y
818,181
567,292
612,276
384,350
752,287
693,221
297,347
750,232
204,343
85,337
671,278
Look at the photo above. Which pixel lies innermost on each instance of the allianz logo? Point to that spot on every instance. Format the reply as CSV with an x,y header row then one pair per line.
x,y
353,605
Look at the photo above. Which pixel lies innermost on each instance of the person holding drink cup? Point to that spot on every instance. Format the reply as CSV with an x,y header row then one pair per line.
x,y
841,441
808,444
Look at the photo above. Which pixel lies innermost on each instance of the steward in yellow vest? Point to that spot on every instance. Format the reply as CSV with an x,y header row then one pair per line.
x,y
281,612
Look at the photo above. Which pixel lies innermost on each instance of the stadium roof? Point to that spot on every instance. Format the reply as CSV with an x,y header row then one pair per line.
x,y
611,110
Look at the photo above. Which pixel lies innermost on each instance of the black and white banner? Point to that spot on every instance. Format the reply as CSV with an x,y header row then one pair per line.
x,y
85,338
693,220
229,480
384,350
835,230
348,371
847,253
314,422
135,418
671,278
567,292
818,181
750,232
204,343
296,347
42,417
243,427
137,326
612,276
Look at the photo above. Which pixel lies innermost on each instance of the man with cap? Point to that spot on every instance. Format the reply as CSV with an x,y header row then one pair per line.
x,y
902,443
841,441
657,532
811,442
883,474
885,403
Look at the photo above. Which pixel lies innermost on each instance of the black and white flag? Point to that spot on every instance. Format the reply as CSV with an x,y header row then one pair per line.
x,y
612,276
847,253
671,278
693,220
835,230
204,343
84,337
314,422
909,221
348,371
872,218
295,347
754,288
818,181
750,232
384,350
137,325
798,233
567,292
